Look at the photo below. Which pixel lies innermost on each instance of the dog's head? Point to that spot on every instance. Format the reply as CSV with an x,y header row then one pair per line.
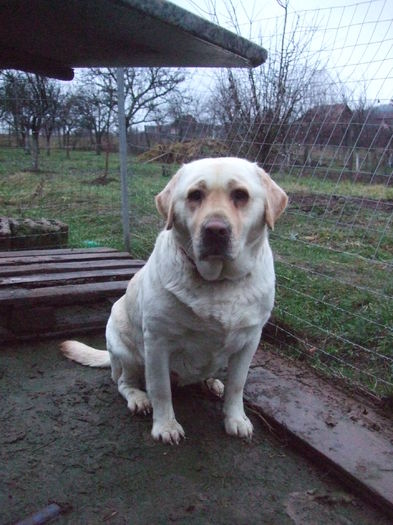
x,y
219,209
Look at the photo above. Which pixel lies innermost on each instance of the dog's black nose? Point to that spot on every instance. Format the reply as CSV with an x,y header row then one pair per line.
x,y
217,228
216,234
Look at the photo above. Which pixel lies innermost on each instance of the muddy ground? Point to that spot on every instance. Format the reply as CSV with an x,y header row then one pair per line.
x,y
66,436
336,203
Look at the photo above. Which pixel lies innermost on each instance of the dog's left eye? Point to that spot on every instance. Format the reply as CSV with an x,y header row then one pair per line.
x,y
240,196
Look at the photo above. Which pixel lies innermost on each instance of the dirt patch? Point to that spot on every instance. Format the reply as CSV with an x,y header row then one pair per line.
x,y
100,181
330,203
68,437
363,177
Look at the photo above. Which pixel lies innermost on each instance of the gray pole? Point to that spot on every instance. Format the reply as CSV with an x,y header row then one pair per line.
x,y
123,158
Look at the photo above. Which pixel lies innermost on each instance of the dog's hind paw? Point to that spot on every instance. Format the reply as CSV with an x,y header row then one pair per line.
x,y
139,403
215,386
170,432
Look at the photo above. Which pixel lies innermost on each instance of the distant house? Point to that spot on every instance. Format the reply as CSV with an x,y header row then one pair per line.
x,y
383,115
185,127
338,125
374,127
327,124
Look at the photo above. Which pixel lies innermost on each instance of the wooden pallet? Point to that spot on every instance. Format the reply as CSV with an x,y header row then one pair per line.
x,y
47,293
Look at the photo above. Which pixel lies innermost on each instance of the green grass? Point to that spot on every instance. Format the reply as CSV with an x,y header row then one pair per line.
x,y
64,190
334,284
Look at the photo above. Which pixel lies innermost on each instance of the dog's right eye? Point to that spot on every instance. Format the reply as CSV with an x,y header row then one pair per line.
x,y
195,196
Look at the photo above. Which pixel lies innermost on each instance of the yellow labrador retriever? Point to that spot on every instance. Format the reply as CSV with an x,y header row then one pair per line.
x,y
198,306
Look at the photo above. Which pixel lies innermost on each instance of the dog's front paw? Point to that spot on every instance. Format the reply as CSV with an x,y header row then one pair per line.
x,y
239,426
169,431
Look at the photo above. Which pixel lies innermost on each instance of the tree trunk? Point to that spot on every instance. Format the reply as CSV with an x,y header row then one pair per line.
x,y
67,144
34,150
107,151
25,142
98,137
48,145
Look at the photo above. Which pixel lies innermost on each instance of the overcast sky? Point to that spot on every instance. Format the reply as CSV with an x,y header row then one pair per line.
x,y
354,38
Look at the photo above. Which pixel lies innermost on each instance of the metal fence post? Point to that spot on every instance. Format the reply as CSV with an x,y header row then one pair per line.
x,y
123,158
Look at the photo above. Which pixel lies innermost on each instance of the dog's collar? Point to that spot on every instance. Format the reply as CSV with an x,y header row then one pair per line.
x,y
189,259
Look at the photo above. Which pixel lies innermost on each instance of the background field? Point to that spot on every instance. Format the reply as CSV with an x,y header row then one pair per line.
x,y
333,250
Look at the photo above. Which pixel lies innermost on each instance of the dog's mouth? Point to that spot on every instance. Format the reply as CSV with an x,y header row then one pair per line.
x,y
215,255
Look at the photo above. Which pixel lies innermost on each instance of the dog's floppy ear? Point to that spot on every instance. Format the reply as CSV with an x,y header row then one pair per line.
x,y
276,198
164,202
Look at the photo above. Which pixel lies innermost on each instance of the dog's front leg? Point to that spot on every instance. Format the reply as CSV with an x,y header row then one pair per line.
x,y
236,421
165,426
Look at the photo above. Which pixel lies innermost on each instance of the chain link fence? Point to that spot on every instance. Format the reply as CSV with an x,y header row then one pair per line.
x,y
319,117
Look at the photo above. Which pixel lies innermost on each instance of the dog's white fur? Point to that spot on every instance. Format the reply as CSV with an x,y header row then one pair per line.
x,y
192,314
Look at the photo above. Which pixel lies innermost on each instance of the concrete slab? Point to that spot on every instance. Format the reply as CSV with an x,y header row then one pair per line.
x,y
346,433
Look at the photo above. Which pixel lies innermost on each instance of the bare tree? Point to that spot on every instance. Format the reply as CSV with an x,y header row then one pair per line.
x,y
69,119
52,113
147,90
14,94
256,107
39,89
28,100
146,93
96,101
185,112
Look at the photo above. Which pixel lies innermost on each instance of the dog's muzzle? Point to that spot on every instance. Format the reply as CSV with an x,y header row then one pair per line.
x,y
215,240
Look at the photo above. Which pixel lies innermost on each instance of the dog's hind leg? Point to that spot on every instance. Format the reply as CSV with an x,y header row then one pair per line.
x,y
127,372
116,367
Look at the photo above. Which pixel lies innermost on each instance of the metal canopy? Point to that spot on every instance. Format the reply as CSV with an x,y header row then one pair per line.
x,y
51,37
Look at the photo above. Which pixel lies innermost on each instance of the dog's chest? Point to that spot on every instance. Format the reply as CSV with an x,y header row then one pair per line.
x,y
202,354
204,338
222,308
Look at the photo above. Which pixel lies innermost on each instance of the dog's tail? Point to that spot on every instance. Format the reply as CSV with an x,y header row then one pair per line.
x,y
85,355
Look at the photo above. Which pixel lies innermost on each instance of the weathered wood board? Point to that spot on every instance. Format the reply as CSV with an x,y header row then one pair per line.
x,y
46,293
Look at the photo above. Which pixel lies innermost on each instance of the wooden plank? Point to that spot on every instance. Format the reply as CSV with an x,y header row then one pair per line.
x,y
7,261
6,335
85,328
62,295
8,271
64,278
54,251
37,322
76,318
